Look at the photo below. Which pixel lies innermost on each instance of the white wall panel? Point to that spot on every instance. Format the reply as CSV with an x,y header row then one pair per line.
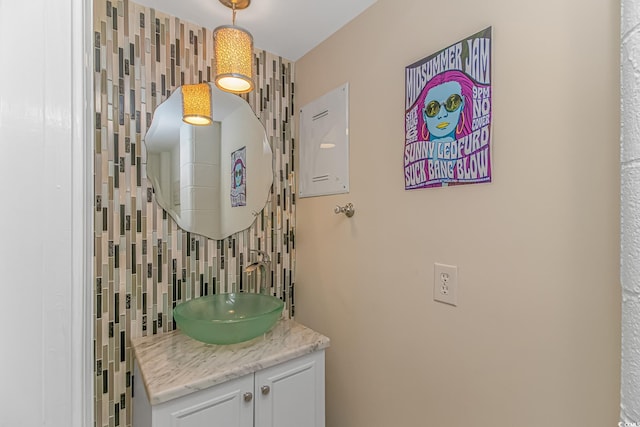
x,y
630,212
41,182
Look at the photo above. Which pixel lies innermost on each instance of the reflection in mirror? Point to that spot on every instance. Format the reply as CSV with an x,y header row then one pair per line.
x,y
212,180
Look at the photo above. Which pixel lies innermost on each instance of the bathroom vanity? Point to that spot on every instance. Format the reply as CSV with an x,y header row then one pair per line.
x,y
276,380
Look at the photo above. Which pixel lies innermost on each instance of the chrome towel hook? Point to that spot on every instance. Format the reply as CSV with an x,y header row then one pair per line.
x,y
347,209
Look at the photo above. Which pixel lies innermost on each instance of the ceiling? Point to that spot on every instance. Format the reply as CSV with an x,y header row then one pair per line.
x,y
287,28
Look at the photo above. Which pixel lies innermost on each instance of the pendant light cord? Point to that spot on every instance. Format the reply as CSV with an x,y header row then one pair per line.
x,y
233,19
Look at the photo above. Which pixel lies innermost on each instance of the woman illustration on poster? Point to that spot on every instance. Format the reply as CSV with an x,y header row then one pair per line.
x,y
448,109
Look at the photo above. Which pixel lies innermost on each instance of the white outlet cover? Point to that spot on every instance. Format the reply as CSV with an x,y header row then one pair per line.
x,y
445,283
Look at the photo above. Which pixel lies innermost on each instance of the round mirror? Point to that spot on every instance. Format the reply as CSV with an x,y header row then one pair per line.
x,y
213,180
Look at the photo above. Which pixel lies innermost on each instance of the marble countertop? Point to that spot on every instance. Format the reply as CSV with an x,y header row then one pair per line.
x,y
173,365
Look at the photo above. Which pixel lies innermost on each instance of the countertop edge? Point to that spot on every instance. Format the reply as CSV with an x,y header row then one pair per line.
x,y
239,371
162,392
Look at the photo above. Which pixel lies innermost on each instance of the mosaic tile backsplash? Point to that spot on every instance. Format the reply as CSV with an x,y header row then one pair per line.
x,y
144,263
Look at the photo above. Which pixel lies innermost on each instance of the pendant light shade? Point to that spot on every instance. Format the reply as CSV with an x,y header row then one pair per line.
x,y
196,104
233,53
233,49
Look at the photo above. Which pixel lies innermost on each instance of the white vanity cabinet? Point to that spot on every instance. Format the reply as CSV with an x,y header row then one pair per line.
x,y
291,394
223,405
288,394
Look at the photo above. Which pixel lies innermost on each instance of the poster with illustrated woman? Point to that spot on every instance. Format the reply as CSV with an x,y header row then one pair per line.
x,y
239,178
448,115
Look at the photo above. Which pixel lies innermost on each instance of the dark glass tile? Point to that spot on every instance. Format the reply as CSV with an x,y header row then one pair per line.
x,y
133,257
96,60
123,348
144,303
116,307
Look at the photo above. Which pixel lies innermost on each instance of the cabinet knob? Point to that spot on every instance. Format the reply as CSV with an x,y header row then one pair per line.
x,y
248,396
265,389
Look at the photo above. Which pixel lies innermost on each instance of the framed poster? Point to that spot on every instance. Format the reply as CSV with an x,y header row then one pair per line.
x,y
448,115
239,178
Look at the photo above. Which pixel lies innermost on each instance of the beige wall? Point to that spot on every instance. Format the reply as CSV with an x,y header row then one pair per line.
x,y
535,340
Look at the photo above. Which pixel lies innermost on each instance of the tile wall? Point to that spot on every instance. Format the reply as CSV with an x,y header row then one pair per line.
x,y
145,264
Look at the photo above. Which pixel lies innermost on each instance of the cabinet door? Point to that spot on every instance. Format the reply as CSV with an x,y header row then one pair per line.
x,y
224,405
291,394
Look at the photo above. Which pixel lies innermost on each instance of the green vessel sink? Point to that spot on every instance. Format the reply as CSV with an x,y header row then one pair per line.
x,y
228,318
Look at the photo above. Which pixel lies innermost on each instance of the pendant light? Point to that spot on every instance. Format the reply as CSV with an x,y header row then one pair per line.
x,y
233,53
196,104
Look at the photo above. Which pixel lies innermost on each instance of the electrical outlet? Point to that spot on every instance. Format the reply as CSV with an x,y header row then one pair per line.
x,y
445,283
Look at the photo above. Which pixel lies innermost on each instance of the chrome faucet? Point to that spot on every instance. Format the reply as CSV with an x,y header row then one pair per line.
x,y
263,267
